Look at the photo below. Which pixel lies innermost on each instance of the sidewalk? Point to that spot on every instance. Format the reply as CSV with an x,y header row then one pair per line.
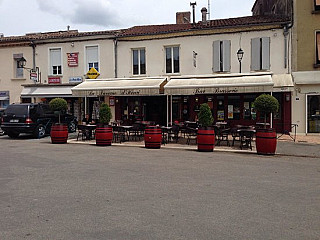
x,y
304,146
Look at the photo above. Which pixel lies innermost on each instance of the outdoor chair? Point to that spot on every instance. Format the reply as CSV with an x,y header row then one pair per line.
x,y
81,132
118,134
246,138
191,135
174,133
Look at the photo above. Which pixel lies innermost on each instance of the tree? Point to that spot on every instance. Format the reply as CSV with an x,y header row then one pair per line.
x,y
105,114
266,104
59,106
205,115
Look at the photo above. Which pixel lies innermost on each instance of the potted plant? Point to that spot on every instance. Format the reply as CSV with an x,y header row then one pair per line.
x,y
205,133
104,130
59,131
266,138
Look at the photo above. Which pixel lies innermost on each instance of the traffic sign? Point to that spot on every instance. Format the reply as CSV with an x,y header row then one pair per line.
x,y
93,73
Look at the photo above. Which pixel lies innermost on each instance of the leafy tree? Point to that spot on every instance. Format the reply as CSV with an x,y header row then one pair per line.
x,y
266,104
59,106
105,113
205,115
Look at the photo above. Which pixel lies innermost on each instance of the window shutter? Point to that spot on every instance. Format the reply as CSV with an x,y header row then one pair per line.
x,y
216,56
265,53
92,54
255,54
226,55
318,44
55,57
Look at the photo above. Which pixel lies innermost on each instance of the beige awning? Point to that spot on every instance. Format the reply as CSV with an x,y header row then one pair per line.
x,y
309,77
120,87
282,83
219,85
47,91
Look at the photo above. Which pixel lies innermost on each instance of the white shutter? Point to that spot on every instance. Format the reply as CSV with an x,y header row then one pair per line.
x,y
92,54
216,56
226,55
265,53
318,44
255,54
55,57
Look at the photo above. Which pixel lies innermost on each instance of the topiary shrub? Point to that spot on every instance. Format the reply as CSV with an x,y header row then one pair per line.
x,y
105,114
59,106
266,104
205,116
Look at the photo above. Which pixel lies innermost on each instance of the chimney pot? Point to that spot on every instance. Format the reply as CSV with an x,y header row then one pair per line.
x,y
204,14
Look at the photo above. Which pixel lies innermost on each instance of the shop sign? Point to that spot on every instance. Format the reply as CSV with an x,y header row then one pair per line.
x,y
4,93
114,93
75,79
215,90
73,59
111,101
54,80
93,73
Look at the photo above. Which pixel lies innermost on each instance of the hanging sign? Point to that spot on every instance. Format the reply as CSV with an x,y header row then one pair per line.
x,y
93,73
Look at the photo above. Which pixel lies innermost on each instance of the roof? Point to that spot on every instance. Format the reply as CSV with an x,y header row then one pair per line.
x,y
212,24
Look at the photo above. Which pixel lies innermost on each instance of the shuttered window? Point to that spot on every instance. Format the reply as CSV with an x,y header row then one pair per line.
x,y
260,54
221,56
55,61
92,57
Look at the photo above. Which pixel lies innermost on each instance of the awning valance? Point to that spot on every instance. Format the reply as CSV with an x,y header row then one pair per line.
x,y
309,77
120,87
219,85
46,91
282,83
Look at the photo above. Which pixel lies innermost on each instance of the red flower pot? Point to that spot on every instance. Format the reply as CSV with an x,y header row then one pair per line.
x,y
152,137
205,139
104,135
59,133
266,141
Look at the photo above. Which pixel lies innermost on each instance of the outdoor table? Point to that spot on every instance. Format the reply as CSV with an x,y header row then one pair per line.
x,y
165,134
126,129
88,129
246,136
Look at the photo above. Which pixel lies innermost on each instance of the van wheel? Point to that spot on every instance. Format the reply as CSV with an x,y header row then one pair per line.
x,y
40,131
13,134
72,127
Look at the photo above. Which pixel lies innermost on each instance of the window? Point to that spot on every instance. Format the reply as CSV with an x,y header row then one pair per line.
x,y
172,60
18,70
92,57
221,56
316,5
318,48
139,61
260,54
55,61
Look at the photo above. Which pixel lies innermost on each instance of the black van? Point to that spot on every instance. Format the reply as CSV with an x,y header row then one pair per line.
x,y
33,118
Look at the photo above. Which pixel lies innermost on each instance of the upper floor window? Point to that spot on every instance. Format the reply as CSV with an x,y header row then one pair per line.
x,y
317,47
55,61
221,56
139,61
316,4
92,57
18,70
260,54
172,59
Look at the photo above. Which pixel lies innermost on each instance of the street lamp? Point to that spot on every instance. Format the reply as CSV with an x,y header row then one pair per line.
x,y
34,73
22,62
240,56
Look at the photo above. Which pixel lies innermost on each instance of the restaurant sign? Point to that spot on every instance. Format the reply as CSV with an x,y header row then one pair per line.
x,y
217,90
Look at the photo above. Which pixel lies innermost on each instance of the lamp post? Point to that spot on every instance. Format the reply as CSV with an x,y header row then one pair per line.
x,y
34,73
240,56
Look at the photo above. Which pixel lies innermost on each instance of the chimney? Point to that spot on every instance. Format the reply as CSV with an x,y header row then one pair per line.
x,y
1,35
204,14
183,17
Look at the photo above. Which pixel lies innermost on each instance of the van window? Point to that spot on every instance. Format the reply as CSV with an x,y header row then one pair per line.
x,y
17,109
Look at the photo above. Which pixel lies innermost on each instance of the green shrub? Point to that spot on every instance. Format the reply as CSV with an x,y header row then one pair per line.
x,y
205,115
59,106
266,104
105,114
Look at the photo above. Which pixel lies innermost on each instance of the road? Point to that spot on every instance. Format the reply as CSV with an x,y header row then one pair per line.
x,y
84,192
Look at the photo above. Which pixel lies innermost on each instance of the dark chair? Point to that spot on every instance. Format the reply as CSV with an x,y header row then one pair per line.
x,y
136,132
174,133
191,135
246,137
81,132
222,135
118,134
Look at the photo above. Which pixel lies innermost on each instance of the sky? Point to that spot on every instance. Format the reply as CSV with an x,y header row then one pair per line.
x,y
18,17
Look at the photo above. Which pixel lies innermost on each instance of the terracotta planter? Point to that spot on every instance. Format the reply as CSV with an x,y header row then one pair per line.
x,y
104,135
205,139
59,133
152,137
266,141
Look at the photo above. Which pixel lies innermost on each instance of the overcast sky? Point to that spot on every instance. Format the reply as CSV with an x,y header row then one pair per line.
x,y
18,17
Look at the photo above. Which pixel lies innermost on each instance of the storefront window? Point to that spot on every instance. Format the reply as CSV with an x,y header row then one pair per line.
x,y
313,102
220,108
249,112
234,107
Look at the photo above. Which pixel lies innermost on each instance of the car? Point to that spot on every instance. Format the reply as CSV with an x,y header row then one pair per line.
x,y
33,118
1,114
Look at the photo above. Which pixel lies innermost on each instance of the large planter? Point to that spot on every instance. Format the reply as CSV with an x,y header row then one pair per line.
x,y
104,135
59,133
205,139
152,137
266,141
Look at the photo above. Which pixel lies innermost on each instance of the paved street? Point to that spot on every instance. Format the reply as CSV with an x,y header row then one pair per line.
x,y
84,192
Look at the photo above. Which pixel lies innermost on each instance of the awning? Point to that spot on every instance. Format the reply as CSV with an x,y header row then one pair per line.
x,y
309,77
4,98
282,83
120,87
46,91
219,85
